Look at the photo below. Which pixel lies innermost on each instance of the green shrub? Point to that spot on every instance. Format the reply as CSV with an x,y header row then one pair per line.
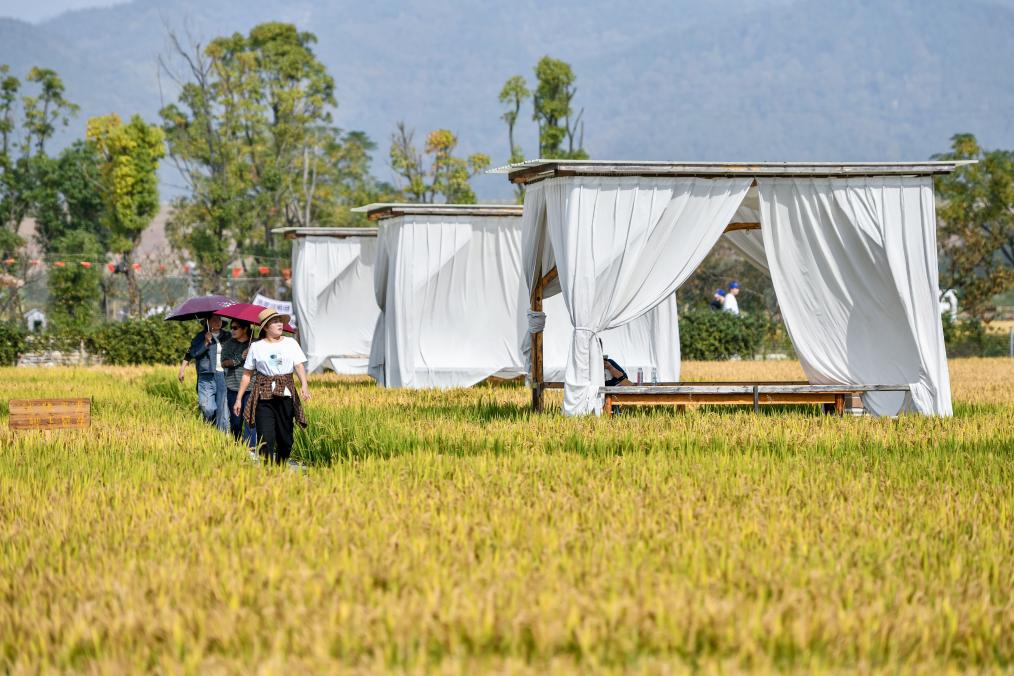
x,y
707,334
12,343
143,341
969,338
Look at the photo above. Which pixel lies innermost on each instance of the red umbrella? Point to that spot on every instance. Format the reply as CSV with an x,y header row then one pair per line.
x,y
247,312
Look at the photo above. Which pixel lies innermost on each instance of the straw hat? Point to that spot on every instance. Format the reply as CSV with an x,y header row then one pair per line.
x,y
267,314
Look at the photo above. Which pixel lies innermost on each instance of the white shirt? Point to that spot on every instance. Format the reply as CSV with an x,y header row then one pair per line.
x,y
730,304
274,359
218,354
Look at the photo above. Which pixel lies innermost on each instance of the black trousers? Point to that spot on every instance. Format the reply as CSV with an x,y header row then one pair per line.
x,y
274,428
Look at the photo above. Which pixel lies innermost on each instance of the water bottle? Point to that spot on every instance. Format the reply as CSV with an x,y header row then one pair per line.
x,y
654,375
640,375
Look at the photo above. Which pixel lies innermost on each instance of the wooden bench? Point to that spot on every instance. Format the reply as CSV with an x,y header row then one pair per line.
x,y
757,394
50,414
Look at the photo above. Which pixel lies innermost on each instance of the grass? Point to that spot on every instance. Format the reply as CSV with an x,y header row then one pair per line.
x,y
455,531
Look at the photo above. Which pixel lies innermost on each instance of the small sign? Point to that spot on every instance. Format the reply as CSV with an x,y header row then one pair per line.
x,y
50,414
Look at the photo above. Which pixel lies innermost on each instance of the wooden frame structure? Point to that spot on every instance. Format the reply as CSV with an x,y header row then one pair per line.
x,y
339,233
682,394
756,393
383,210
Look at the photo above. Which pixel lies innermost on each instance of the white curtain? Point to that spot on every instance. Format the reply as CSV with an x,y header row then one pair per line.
x,y
652,341
854,265
329,272
348,313
381,271
622,245
450,286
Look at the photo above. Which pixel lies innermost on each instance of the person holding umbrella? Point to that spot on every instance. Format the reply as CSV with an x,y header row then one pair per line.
x,y
233,357
206,353
274,405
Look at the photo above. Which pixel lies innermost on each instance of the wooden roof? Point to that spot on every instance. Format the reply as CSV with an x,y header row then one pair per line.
x,y
533,171
339,233
381,211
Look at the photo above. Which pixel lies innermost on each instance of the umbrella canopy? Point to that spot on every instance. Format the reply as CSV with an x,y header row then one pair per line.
x,y
199,307
246,312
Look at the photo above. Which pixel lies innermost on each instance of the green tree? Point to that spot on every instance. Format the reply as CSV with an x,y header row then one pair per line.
x,y
554,112
74,289
67,196
252,134
513,95
28,121
128,184
976,222
446,176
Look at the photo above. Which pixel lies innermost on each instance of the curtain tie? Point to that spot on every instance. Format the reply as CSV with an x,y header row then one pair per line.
x,y
536,321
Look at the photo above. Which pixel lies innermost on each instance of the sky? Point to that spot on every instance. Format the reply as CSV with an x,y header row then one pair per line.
x,y
39,10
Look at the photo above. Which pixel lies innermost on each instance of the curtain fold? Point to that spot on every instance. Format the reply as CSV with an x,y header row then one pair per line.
x,y
622,246
854,265
378,345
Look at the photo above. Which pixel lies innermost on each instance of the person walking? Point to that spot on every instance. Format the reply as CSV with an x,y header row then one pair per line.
x,y
234,355
274,405
731,304
718,300
206,353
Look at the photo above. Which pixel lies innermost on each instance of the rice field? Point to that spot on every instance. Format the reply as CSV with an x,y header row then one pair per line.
x,y
455,532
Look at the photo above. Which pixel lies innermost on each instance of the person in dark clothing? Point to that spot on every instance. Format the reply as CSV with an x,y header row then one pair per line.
x,y
614,373
718,300
233,356
206,353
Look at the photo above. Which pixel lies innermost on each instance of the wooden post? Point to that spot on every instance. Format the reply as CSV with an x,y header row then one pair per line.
x,y
839,404
536,375
608,407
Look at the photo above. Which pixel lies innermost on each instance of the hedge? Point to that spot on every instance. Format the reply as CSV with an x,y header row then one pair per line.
x,y
143,341
12,343
707,334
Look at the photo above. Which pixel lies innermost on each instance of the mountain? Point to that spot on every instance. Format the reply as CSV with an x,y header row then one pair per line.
x,y
659,79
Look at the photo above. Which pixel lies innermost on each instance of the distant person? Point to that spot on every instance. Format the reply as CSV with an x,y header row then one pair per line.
x,y
206,353
731,304
274,403
234,355
718,300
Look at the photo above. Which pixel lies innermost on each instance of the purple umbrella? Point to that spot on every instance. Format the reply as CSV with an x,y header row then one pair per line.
x,y
199,307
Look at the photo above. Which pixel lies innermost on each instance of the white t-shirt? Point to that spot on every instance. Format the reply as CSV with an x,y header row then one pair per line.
x,y
274,359
731,304
218,354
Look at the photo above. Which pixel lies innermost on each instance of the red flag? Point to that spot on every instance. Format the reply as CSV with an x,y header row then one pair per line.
x,y
236,272
59,264
111,267
86,265
264,269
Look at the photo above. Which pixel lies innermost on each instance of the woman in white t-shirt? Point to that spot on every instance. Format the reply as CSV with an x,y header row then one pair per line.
x,y
274,403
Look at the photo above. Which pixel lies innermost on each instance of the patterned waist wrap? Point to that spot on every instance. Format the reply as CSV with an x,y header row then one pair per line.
x,y
262,390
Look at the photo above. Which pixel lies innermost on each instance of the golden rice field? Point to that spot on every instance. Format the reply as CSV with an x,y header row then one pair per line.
x,y
456,532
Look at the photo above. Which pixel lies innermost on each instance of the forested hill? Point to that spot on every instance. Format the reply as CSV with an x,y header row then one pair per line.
x,y
741,79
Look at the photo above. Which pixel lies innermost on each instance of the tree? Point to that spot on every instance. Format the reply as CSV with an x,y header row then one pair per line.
x,y
252,135
976,222
447,176
514,93
66,196
74,289
27,122
128,183
554,113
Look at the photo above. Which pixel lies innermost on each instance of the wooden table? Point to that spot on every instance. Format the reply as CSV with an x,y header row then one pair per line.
x,y
758,394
